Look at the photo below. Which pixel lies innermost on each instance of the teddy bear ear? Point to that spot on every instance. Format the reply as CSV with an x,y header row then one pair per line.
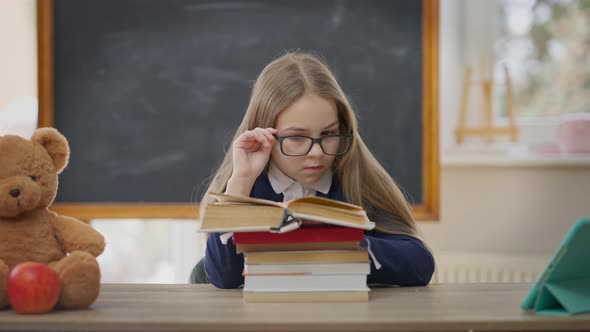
x,y
56,144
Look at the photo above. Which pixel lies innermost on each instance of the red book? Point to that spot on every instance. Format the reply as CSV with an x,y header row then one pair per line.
x,y
302,235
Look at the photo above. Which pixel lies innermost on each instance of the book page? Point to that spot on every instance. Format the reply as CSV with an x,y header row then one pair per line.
x,y
324,202
366,224
224,198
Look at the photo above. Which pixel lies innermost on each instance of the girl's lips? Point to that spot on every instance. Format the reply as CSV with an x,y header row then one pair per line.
x,y
314,168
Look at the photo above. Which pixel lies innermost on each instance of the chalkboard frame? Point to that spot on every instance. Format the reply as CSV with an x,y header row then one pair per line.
x,y
428,210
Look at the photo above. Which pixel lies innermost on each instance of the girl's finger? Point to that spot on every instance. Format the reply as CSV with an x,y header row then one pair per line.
x,y
254,140
260,137
248,140
268,135
266,130
268,138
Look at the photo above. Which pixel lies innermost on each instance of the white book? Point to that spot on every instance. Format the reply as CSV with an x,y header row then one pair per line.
x,y
308,268
305,283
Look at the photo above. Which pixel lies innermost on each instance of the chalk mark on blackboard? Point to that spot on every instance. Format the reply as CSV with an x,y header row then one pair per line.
x,y
149,165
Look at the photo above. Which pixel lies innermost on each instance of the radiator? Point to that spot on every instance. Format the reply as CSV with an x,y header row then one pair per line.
x,y
459,267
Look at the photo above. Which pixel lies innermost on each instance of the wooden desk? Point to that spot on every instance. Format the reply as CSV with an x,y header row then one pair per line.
x,y
443,307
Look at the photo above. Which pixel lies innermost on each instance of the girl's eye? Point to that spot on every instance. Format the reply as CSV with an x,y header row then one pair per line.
x,y
34,178
327,133
296,139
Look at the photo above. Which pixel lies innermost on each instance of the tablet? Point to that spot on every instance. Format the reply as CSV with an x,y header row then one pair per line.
x,y
564,286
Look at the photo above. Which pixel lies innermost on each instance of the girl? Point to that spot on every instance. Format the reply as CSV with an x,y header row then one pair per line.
x,y
299,137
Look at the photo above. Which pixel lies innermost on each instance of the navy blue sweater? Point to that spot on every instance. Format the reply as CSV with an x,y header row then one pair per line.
x,y
404,260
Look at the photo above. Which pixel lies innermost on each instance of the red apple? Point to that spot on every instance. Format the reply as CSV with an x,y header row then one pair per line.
x,y
33,288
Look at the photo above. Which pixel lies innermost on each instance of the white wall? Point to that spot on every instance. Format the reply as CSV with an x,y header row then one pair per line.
x,y
508,209
18,78
450,68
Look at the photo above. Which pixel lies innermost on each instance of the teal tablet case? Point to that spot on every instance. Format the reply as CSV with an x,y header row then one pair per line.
x,y
564,286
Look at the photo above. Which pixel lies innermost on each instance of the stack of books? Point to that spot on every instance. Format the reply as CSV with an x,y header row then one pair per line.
x,y
311,263
288,260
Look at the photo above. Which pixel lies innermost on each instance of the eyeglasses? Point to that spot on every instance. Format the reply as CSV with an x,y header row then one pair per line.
x,y
333,145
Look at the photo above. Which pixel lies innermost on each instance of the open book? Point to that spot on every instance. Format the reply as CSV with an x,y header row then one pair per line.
x,y
245,214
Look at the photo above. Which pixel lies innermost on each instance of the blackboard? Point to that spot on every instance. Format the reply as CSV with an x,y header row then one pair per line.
x,y
150,92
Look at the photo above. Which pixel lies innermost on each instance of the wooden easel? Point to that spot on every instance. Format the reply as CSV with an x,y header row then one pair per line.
x,y
488,129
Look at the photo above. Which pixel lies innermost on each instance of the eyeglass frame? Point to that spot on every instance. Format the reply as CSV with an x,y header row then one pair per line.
x,y
313,142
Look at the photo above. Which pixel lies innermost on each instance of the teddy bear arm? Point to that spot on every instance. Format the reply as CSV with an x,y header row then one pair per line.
x,y
74,234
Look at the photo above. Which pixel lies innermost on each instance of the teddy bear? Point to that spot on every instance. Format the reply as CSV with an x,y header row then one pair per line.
x,y
29,231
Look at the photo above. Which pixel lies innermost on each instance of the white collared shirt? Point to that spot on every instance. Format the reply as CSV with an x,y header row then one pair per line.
x,y
292,189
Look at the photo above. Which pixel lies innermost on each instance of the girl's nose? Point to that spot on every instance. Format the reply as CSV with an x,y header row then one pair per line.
x,y
316,150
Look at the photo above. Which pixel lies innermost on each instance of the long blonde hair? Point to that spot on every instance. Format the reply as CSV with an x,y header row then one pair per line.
x,y
364,181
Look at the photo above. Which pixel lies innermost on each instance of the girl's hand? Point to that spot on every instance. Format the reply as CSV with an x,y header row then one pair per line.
x,y
251,151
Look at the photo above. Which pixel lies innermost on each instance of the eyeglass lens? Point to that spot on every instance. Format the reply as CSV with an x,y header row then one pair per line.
x,y
301,145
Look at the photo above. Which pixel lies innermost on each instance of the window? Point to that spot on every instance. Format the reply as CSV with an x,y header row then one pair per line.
x,y
149,251
546,47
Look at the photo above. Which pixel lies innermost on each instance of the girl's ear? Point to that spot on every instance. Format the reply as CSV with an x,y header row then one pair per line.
x,y
56,145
